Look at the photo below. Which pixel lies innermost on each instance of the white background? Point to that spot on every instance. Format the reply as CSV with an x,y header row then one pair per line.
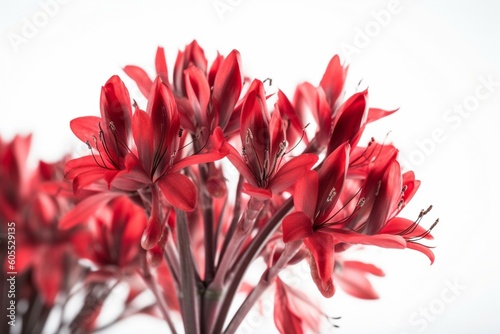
x,y
425,58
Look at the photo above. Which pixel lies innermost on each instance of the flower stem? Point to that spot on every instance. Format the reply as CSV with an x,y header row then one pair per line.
x,y
242,231
208,225
244,261
189,306
160,298
265,281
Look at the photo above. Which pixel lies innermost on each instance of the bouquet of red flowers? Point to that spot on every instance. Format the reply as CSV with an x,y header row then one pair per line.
x,y
215,176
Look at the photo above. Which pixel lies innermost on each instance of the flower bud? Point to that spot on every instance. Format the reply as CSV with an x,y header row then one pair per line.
x,y
151,234
154,255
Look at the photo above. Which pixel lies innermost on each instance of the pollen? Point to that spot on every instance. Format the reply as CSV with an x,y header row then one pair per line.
x,y
249,136
331,195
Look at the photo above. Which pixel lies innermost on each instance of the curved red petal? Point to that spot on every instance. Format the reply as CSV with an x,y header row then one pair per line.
x,y
296,226
306,194
179,190
142,130
140,77
86,128
161,64
227,88
333,81
288,174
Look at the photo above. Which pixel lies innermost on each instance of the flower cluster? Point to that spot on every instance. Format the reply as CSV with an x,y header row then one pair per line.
x,y
182,197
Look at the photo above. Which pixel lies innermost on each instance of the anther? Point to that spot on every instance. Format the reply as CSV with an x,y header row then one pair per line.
x,y
112,126
331,195
88,145
404,189
361,202
379,184
249,136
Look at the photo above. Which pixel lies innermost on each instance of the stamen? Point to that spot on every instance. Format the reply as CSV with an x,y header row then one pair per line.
x,y
378,187
300,140
331,195
249,136
281,150
100,155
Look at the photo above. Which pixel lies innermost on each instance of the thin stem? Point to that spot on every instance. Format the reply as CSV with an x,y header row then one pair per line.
x,y
208,225
244,261
160,297
242,231
188,298
172,260
236,217
265,281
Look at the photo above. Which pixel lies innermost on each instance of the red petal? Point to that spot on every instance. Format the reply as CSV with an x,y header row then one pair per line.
x,y
142,130
296,226
411,184
161,65
140,77
291,171
198,93
332,175
227,87
48,272
285,319
322,251
422,249
84,209
356,284
257,192
240,165
333,81
179,190
387,197
380,240
363,267
197,159
306,194
86,128
375,114
295,126
349,121
397,225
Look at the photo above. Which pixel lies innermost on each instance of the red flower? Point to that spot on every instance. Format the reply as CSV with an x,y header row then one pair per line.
x,y
154,159
264,147
206,99
42,250
293,311
352,277
320,218
113,235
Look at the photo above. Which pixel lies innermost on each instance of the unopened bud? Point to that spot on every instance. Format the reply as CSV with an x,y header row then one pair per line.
x,y
154,256
151,234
